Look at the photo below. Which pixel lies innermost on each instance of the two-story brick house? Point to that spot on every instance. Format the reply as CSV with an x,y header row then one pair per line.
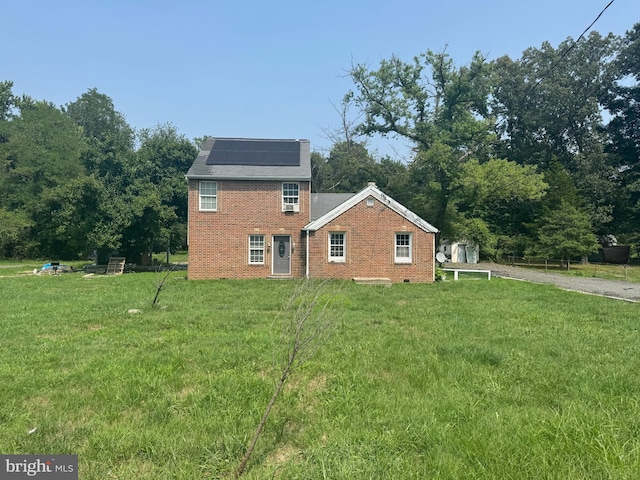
x,y
252,215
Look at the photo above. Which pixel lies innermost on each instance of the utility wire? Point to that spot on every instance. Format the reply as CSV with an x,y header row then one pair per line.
x,y
566,52
546,74
571,47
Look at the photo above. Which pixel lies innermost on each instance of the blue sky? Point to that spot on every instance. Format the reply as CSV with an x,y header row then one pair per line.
x,y
260,69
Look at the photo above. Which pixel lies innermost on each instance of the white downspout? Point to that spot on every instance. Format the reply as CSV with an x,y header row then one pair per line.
x,y
307,255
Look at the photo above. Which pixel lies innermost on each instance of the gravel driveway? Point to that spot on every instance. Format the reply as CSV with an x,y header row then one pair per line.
x,y
596,286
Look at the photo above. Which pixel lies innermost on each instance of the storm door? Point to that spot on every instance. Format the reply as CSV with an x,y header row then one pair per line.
x,y
281,255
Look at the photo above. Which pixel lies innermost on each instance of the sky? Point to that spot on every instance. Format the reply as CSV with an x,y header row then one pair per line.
x,y
256,69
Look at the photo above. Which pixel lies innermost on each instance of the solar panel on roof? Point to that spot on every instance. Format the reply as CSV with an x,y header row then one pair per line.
x,y
255,153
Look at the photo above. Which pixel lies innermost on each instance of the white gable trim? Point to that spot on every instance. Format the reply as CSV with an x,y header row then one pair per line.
x,y
371,191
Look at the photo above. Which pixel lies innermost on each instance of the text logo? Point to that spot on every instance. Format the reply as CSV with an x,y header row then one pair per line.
x,y
45,467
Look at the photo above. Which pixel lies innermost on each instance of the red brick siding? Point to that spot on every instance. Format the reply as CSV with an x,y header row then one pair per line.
x,y
219,241
370,243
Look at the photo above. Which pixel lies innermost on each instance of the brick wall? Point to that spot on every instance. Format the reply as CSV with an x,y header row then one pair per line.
x,y
370,244
219,241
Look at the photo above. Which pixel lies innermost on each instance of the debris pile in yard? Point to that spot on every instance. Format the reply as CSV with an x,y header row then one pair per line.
x,y
53,268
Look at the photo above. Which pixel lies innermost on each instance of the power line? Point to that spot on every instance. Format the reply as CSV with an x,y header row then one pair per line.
x,y
571,47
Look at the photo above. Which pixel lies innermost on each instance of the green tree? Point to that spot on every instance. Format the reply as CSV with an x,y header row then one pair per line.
x,y
622,100
548,110
163,159
69,218
14,233
565,232
100,121
42,150
110,159
441,109
352,167
547,101
7,100
321,178
41,153
393,178
494,199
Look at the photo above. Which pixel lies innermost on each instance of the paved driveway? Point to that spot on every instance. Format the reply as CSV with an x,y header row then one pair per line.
x,y
596,286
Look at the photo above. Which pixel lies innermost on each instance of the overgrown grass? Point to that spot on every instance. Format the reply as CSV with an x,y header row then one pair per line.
x,y
629,273
477,379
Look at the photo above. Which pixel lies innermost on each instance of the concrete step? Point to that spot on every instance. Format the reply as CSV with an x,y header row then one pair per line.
x,y
372,281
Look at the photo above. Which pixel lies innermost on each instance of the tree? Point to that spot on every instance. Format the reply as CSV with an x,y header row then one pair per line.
x,y
110,139
441,109
321,180
7,100
307,321
566,233
42,150
622,99
351,167
163,159
393,177
495,198
547,101
14,230
69,218
110,159
95,112
547,104
41,153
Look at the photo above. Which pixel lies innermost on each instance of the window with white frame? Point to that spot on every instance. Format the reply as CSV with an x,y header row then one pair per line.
x,y
337,250
256,249
403,248
208,195
291,197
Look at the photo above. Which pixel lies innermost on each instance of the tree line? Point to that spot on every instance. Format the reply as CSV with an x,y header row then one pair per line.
x,y
531,156
78,179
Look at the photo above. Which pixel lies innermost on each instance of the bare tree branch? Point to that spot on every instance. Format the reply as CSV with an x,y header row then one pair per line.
x,y
307,321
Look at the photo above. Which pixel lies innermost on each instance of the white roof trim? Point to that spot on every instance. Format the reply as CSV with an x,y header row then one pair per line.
x,y
375,192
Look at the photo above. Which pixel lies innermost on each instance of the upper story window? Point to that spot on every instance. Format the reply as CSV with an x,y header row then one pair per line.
x,y
403,248
290,197
208,195
337,247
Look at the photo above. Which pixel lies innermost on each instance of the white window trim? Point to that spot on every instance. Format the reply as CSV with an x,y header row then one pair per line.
x,y
403,259
338,259
293,202
201,195
263,249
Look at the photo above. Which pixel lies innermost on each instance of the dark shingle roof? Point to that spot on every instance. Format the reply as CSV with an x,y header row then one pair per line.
x,y
322,203
252,159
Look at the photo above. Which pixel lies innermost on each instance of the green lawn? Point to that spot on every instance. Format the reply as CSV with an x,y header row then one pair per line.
x,y
609,271
469,379
629,273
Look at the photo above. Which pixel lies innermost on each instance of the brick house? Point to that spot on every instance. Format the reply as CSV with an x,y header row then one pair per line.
x,y
252,215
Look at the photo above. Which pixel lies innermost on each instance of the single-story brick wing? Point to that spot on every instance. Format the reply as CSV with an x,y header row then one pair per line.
x,y
252,215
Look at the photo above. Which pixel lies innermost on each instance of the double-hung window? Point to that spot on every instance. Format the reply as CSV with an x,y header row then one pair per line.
x,y
256,249
208,195
337,250
403,248
290,197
